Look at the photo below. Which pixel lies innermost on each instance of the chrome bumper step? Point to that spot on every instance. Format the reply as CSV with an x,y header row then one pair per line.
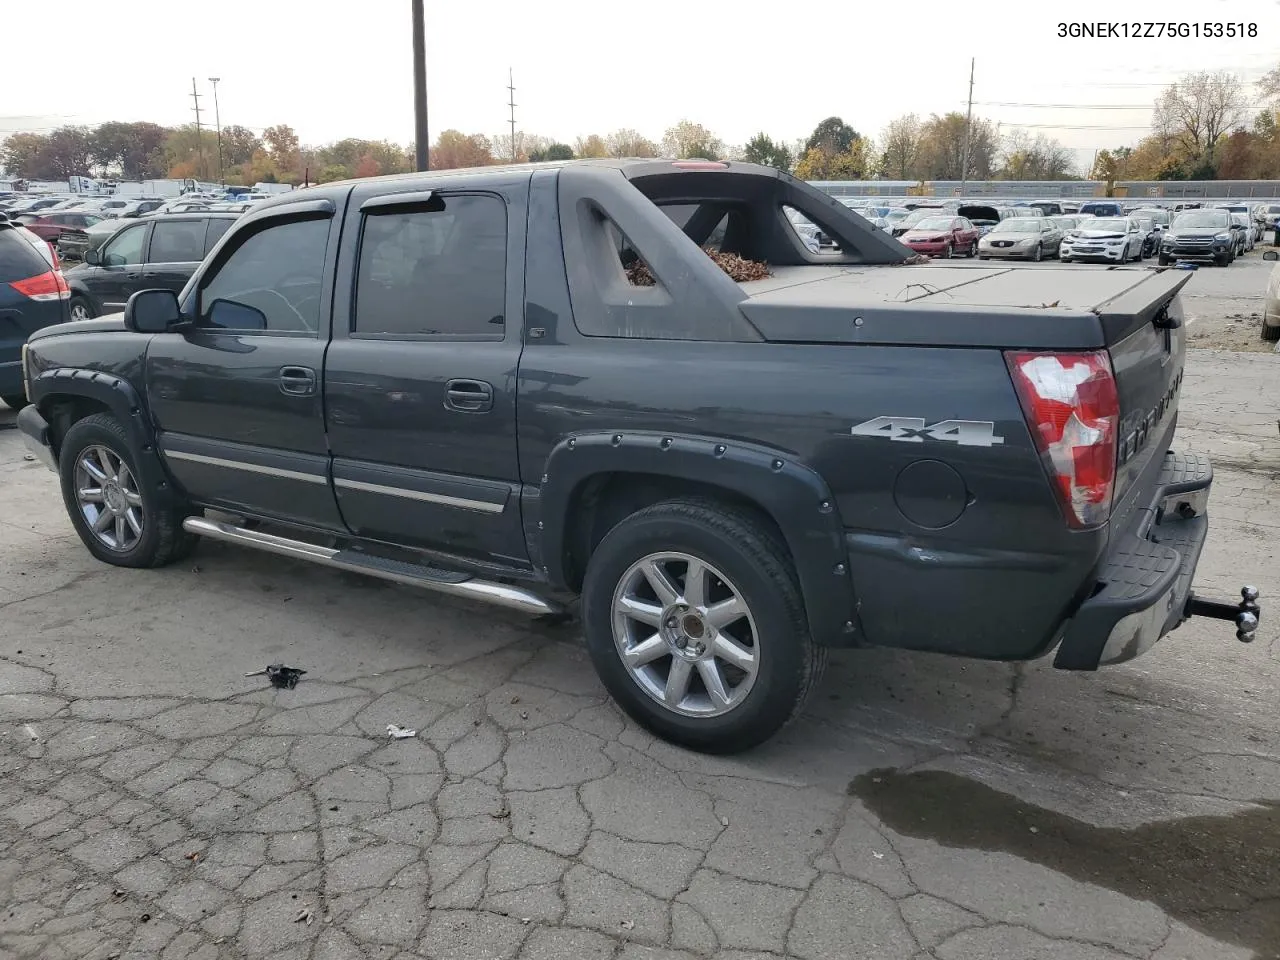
x,y
418,575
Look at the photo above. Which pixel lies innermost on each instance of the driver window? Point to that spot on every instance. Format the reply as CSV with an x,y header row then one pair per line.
x,y
271,283
125,248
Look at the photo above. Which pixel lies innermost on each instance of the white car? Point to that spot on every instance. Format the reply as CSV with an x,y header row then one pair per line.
x,y
1271,300
1245,221
1114,239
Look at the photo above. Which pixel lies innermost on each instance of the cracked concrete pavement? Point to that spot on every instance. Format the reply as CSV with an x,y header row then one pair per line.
x,y
156,803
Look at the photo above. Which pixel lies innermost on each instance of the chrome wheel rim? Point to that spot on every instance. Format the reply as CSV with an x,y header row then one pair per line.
x,y
109,499
685,635
79,311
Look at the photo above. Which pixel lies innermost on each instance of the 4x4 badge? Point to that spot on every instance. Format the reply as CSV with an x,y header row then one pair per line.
x,y
967,433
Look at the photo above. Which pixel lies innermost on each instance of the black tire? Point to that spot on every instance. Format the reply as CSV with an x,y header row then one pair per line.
x,y
951,251
162,540
1062,259
983,256
1224,260
1039,253
1165,261
1270,334
15,401
754,561
80,304
973,250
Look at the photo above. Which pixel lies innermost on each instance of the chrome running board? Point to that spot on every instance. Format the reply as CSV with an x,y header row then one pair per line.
x,y
418,575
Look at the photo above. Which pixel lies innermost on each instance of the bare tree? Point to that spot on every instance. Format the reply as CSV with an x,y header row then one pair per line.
x,y
1198,109
630,143
1028,157
902,139
1269,87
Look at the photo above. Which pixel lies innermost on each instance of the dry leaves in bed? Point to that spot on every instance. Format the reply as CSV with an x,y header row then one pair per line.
x,y
738,268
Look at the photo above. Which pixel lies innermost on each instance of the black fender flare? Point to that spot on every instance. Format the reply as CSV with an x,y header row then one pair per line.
x,y
788,490
118,396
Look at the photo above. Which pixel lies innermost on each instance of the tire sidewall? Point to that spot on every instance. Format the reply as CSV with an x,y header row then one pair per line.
x,y
103,430
80,301
780,680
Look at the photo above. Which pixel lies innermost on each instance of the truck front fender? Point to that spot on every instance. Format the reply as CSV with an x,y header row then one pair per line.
x,y
118,397
794,496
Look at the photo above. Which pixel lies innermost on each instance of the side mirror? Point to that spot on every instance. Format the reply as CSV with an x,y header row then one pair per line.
x,y
91,257
152,311
112,260
1270,255
231,315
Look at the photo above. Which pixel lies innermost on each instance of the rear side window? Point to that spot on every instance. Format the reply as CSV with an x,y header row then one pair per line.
x,y
181,242
271,283
434,270
18,258
214,232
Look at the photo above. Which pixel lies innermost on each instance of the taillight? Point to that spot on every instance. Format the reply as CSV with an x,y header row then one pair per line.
x,y
45,286
1071,406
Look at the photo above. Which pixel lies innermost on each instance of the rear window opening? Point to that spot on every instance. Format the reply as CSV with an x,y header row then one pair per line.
x,y
639,274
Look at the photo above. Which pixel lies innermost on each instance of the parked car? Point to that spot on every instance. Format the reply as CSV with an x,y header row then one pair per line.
x,y
74,244
917,215
943,237
139,208
33,295
1269,215
1069,222
1050,208
1101,208
1243,225
51,226
183,205
1022,238
1199,234
1271,299
416,380
983,217
1160,215
1114,239
151,253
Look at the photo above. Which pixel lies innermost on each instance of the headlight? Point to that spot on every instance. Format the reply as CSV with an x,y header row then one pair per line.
x,y
1222,236
1114,243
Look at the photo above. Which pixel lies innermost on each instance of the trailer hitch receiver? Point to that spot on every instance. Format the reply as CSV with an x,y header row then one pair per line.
x,y
1244,614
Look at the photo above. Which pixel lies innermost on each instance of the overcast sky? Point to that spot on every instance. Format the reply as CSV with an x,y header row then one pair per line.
x,y
737,66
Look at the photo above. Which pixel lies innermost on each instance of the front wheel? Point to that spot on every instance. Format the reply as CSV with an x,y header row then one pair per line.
x,y
1039,254
1064,259
1270,334
973,250
1165,261
951,252
696,626
119,518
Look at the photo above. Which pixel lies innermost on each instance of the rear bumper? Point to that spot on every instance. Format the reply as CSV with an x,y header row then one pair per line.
x,y
1143,587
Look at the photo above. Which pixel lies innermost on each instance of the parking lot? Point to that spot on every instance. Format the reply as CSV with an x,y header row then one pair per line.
x,y
156,802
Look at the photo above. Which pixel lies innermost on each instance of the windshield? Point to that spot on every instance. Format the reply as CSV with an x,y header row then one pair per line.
x,y
1201,218
1110,225
934,223
1018,225
896,215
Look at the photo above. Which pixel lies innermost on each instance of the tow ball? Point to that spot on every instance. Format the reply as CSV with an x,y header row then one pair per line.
x,y
1245,614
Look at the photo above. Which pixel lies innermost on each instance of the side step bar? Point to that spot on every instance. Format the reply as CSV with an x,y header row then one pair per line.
x,y
442,581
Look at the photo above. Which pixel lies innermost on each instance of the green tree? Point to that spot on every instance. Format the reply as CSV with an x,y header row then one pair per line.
x,y
554,151
22,155
900,156
191,153
133,150
238,145
942,141
763,150
832,136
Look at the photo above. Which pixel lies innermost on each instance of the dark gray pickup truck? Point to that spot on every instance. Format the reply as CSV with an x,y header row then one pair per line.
x,y
532,384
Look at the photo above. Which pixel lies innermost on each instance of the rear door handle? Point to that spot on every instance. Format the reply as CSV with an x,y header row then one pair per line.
x,y
298,381
468,396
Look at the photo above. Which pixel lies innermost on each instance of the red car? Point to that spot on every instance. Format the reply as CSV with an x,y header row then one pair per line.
x,y
49,226
943,237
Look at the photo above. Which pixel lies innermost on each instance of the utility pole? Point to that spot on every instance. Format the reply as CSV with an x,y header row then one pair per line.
x,y
217,119
195,95
511,102
968,127
421,139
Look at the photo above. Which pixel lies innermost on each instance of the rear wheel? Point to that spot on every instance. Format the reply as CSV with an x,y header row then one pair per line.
x,y
80,308
119,518
973,250
695,624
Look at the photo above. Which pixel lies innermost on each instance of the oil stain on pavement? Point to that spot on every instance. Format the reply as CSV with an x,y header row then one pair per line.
x,y
1218,874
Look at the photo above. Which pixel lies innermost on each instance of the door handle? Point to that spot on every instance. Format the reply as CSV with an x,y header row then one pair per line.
x,y
298,381
468,396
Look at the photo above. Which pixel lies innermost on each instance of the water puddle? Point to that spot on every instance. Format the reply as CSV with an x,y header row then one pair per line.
x,y
1217,874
